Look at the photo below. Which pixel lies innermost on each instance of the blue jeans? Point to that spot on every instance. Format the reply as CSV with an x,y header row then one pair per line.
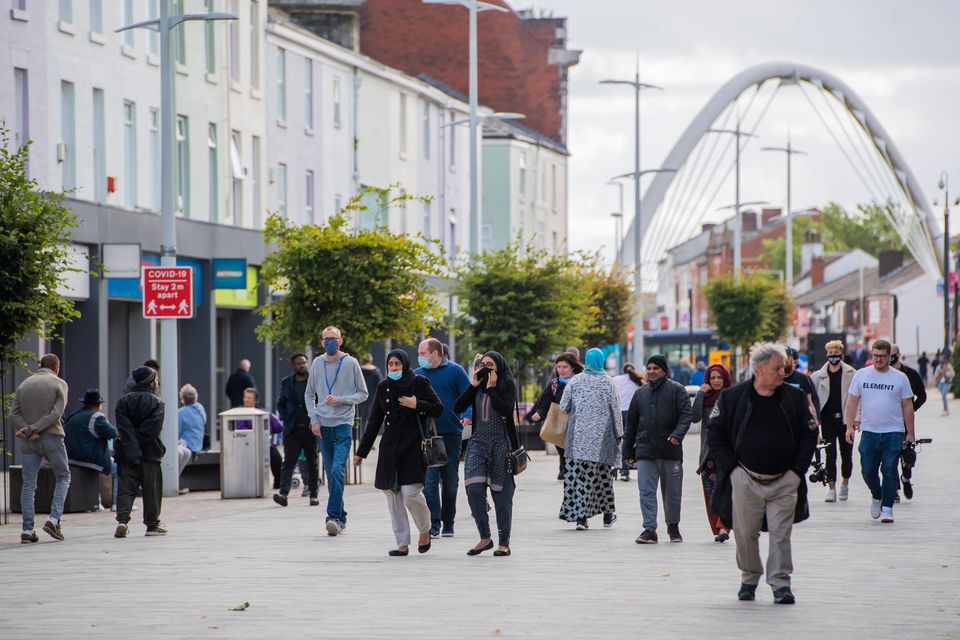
x,y
51,449
335,449
945,394
443,500
881,452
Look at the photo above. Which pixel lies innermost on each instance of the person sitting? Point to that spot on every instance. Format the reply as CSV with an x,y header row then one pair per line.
x,y
87,436
192,425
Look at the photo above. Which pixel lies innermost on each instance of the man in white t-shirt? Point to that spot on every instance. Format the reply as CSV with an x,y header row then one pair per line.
x,y
884,399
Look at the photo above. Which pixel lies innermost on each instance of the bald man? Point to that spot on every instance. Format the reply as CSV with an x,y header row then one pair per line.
x,y
239,381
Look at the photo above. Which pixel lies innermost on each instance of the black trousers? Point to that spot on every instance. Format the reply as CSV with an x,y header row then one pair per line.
x,y
300,439
131,478
833,430
503,505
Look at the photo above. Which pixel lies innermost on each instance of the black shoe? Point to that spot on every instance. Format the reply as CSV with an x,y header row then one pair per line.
x,y
582,524
423,548
609,519
783,595
673,530
27,538
723,536
647,537
314,502
560,476
475,551
747,591
280,499
53,530
397,553
501,554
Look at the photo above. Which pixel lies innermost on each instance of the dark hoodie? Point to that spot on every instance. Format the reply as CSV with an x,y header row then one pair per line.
x,y
139,422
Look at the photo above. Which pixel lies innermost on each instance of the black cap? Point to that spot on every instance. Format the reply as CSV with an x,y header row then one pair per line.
x,y
92,396
793,353
658,360
143,375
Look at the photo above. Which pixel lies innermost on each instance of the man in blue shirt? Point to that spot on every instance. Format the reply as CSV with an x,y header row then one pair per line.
x,y
192,419
449,380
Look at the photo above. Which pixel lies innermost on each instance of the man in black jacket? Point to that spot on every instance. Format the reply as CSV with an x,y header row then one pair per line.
x,y
238,382
657,421
916,382
297,436
762,436
139,452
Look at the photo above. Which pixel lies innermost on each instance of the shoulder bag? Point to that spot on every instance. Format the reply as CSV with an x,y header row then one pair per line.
x,y
517,459
432,448
554,429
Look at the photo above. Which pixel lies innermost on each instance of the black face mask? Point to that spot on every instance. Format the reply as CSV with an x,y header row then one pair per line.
x,y
894,359
833,359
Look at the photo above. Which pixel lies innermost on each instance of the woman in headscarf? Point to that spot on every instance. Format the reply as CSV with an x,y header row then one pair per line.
x,y
717,378
402,403
493,395
567,366
594,432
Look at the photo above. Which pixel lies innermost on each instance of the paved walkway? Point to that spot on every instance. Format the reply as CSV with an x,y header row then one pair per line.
x,y
854,578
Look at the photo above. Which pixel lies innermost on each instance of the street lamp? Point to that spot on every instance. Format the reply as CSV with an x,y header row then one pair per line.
x,y
618,235
474,6
790,151
169,347
737,225
945,186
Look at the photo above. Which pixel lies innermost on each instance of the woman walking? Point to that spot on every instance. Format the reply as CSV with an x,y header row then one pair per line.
x,y
943,377
717,379
593,440
567,366
492,394
403,402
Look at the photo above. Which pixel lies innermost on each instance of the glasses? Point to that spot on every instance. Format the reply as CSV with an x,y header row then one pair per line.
x,y
880,356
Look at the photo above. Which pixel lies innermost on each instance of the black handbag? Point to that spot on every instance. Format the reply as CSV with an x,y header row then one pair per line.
x,y
432,448
518,458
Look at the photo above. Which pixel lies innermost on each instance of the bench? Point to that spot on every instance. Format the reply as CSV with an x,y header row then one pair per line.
x,y
203,472
83,494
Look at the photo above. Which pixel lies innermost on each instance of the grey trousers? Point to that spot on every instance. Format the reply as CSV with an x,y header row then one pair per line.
x,y
409,499
184,456
669,475
51,449
751,501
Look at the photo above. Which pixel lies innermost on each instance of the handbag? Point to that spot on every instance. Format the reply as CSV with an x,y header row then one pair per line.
x,y
432,448
554,429
518,459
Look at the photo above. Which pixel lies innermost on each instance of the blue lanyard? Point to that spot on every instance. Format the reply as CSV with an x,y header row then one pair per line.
x,y
335,376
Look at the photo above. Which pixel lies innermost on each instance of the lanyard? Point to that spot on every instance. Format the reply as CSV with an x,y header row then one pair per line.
x,y
335,376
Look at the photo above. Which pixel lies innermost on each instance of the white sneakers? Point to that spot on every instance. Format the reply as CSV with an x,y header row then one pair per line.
x,y
844,492
875,509
886,515
333,528
831,496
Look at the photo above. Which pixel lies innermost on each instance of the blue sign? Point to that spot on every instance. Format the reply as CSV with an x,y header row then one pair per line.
x,y
229,273
129,288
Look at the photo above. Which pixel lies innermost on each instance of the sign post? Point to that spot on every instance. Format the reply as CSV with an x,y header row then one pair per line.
x,y
168,292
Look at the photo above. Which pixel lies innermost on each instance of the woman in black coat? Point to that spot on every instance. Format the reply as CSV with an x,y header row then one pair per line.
x,y
403,401
567,366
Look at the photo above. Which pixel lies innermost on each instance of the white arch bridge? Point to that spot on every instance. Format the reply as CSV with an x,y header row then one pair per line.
x,y
675,203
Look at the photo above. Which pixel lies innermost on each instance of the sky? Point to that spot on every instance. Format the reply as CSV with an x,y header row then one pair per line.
x,y
901,58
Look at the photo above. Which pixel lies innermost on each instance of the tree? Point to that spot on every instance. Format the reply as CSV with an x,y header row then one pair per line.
x,y
611,294
749,310
370,283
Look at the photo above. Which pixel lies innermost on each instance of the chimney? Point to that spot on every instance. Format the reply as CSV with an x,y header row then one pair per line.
x,y
766,215
707,226
748,221
816,271
890,261
812,248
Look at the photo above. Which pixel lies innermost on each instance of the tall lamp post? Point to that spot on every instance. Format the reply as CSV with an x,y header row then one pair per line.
x,y
790,150
618,235
945,186
474,7
737,224
169,347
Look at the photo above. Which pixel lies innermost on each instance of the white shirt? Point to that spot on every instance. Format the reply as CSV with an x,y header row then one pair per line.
x,y
625,387
881,395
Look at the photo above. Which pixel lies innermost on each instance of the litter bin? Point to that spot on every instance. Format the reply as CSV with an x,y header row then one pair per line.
x,y
244,453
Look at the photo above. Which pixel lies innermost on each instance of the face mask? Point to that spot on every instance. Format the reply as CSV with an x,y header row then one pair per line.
x,y
394,375
563,380
423,361
894,359
833,359
331,346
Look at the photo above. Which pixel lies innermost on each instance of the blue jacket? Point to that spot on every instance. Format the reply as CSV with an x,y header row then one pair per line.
x,y
192,422
449,380
87,434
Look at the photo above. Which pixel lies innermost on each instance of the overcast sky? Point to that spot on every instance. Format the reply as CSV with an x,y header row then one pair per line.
x,y
902,58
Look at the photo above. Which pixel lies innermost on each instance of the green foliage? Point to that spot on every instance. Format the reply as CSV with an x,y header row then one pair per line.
x,y
370,283
35,231
752,309
611,294
524,303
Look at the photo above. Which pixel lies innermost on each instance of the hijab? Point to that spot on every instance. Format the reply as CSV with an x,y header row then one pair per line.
x,y
406,378
595,361
503,369
710,397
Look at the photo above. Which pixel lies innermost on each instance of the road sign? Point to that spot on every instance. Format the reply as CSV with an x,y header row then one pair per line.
x,y
168,292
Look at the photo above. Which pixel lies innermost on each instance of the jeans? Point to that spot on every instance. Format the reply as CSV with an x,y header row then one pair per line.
x,y
51,449
335,449
944,394
881,452
149,477
502,502
299,439
440,488
669,474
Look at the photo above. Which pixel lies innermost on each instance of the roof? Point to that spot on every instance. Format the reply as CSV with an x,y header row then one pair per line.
x,y
513,129
848,287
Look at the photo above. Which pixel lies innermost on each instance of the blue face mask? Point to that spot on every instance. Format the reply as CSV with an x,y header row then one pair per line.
x,y
563,380
423,361
331,346
394,375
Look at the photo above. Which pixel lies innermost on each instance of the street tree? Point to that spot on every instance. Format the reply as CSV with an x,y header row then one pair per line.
x,y
748,310
611,295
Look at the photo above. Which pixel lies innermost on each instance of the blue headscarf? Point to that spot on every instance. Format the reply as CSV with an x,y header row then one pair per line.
x,y
594,362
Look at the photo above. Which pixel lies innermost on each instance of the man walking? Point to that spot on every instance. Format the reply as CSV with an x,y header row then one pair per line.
x,y
335,387
238,382
139,452
917,387
762,436
449,380
657,421
87,437
35,417
884,400
297,437
832,383
858,357
923,366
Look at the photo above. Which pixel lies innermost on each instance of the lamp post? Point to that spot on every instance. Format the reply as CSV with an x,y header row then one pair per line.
x,y
618,235
474,7
790,151
945,186
737,224
169,347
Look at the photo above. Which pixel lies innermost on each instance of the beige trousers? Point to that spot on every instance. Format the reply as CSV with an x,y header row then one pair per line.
x,y
409,499
751,501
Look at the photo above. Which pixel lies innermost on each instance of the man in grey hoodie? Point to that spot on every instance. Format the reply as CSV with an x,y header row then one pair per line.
x,y
335,387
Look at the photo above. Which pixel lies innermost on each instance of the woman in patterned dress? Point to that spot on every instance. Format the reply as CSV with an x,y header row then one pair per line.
x,y
716,380
594,432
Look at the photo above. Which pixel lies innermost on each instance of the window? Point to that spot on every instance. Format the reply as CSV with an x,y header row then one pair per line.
x,y
453,140
282,189
155,158
19,5
179,35
336,100
182,173
128,35
309,198
66,155
236,172
281,84
256,179
254,44
209,40
130,154
452,238
426,130
66,11
233,43
308,92
486,235
543,185
555,244
337,202
403,124
522,178
21,108
99,129
541,235
427,221
553,186
153,10
96,16
214,179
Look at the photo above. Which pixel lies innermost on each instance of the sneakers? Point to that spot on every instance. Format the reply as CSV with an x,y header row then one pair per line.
x,y
435,532
647,537
314,501
747,591
896,498
305,492
333,528
844,492
609,519
624,476
447,533
783,595
886,515
831,496
53,530
156,530
27,538
874,509
582,524
280,499
121,531
673,530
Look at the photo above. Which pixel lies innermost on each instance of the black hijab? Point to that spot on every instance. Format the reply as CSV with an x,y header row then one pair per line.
x,y
406,379
503,369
